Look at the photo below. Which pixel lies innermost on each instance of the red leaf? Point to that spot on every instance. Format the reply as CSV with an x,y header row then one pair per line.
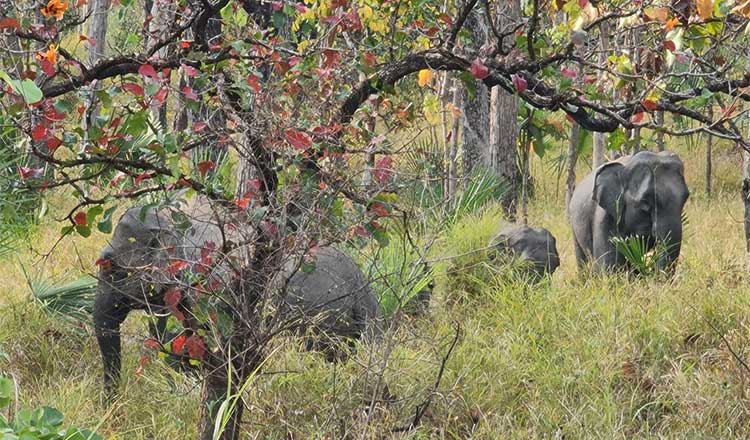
x,y
179,344
669,45
176,266
189,93
582,3
519,83
152,343
383,169
446,19
196,348
379,209
206,166
242,203
570,118
637,118
568,72
199,126
53,144
9,23
48,68
185,44
479,70
143,176
148,71
104,263
300,7
80,219
649,104
141,365
39,133
161,95
276,5
254,82
331,57
190,71
370,59
133,88
361,231
298,139
30,173
172,297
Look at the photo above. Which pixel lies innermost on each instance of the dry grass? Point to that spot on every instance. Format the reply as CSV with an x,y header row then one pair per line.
x,y
608,357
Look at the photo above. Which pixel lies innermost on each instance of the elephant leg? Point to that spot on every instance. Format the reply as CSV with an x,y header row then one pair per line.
x,y
581,257
605,254
110,310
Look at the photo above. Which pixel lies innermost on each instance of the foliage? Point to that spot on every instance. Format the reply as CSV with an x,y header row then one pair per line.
x,y
639,254
73,301
43,423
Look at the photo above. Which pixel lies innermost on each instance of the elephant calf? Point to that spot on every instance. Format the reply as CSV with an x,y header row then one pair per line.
x,y
641,195
536,247
334,299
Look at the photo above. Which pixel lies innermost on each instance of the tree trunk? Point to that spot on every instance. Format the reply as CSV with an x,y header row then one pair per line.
x,y
709,145
457,95
526,156
635,134
475,109
501,152
746,196
98,29
600,139
500,156
572,160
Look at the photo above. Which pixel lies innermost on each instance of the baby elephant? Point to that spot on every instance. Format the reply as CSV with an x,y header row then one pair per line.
x,y
332,302
536,247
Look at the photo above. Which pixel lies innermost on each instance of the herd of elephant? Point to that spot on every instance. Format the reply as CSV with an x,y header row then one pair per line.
x,y
640,195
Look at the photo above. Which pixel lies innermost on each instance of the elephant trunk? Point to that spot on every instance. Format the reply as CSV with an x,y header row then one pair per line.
x,y
669,239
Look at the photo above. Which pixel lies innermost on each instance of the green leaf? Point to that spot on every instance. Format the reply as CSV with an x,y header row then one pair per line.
x,y
26,88
470,83
83,230
93,213
105,225
51,417
6,392
616,140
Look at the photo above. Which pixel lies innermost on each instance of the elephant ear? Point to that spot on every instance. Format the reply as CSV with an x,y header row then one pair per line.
x,y
609,188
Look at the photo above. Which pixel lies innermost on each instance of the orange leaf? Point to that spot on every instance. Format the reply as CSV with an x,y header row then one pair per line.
x,y
671,23
649,104
80,219
705,9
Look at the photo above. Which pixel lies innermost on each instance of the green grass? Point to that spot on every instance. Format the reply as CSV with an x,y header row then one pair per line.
x,y
612,357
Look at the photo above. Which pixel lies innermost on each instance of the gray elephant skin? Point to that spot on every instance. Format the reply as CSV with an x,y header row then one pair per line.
x,y
536,247
334,299
640,195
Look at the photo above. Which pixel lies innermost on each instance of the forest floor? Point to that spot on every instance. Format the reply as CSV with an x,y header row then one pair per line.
x,y
574,357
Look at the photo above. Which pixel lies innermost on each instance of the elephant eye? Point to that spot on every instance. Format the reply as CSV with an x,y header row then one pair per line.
x,y
645,207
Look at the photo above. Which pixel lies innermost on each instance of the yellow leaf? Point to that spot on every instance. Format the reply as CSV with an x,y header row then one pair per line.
x,y
705,9
431,109
424,77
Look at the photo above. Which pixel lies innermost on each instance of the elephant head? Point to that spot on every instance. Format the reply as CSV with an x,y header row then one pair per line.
x,y
644,196
535,246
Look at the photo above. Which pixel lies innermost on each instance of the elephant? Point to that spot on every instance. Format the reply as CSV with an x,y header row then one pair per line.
x,y
334,299
536,247
639,195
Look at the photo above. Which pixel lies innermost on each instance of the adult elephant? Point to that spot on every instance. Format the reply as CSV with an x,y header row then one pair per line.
x,y
640,195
